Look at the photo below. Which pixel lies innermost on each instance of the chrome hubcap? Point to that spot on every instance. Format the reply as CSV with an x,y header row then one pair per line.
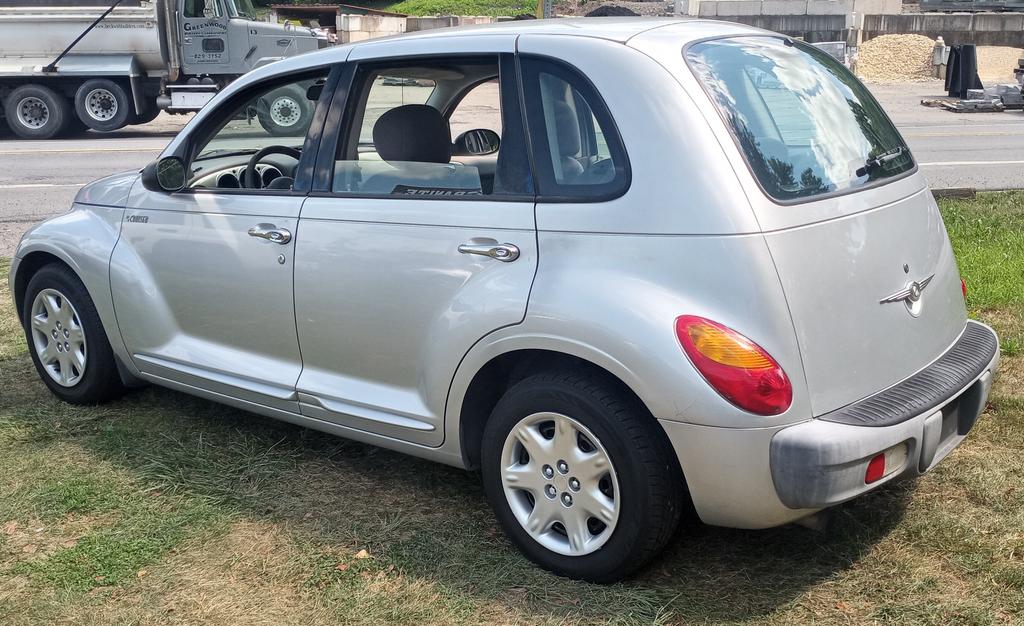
x,y
58,337
285,111
101,105
560,483
33,112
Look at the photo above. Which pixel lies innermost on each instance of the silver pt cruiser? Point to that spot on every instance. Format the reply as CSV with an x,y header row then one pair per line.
x,y
619,266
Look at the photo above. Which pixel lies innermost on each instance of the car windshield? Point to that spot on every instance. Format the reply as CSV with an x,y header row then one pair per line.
x,y
241,8
805,124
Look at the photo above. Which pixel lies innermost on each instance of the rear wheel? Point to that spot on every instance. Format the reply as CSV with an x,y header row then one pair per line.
x,y
66,339
579,476
103,105
36,112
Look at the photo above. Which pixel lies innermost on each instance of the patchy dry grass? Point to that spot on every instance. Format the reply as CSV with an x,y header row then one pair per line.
x,y
165,509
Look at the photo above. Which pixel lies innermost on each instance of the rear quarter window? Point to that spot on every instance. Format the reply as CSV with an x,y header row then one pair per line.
x,y
806,126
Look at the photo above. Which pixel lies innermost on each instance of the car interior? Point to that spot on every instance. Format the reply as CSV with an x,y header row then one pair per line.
x,y
399,139
410,150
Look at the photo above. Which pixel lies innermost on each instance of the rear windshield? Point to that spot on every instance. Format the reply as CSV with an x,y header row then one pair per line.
x,y
806,125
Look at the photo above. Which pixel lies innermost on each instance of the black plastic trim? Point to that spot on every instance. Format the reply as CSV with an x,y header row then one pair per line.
x,y
927,389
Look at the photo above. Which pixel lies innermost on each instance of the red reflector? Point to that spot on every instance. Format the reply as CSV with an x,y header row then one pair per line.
x,y
876,469
963,287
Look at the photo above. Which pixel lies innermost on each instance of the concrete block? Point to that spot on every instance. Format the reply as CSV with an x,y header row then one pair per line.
x,y
728,8
999,22
893,7
869,7
785,7
829,7
707,8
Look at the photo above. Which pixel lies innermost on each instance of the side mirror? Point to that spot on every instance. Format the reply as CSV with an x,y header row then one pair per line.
x,y
168,174
476,142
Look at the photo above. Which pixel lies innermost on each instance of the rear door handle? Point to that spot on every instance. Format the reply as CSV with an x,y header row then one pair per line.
x,y
271,233
504,252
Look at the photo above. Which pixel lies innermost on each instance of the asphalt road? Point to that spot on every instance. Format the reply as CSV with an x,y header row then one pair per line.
x,y
39,179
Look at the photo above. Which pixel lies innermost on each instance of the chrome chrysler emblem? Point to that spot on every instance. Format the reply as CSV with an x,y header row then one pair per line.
x,y
910,296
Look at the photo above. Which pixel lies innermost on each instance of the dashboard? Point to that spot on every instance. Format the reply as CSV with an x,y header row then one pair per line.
x,y
227,172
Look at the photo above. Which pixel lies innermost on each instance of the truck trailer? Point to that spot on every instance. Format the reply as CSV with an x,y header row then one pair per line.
x,y
64,69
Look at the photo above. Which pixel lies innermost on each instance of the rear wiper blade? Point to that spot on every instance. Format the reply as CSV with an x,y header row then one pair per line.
x,y
880,159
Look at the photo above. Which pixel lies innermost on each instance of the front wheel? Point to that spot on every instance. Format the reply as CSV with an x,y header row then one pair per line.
x,y
579,476
285,112
66,338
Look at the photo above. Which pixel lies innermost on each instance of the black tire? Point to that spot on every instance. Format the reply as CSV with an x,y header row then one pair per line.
x,y
103,104
100,380
75,127
36,112
277,109
147,116
651,491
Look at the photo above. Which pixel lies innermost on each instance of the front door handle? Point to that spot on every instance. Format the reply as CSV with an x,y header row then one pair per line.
x,y
504,252
271,233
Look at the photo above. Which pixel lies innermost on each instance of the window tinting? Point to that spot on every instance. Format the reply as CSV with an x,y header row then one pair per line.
x,y
576,147
805,124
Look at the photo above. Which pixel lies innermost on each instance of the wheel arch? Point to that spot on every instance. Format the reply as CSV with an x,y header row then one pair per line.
x,y
475,396
27,267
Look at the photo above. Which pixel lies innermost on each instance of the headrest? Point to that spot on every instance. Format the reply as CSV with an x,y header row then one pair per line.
x,y
567,127
413,132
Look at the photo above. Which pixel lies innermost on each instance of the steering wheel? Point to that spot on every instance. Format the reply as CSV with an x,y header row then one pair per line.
x,y
249,178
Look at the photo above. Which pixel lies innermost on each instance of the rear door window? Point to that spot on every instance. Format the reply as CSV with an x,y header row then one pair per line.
x,y
576,146
806,126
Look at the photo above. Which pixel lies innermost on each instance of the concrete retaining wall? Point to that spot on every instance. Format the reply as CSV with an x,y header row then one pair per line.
x,y
352,28
413,24
733,8
812,28
983,29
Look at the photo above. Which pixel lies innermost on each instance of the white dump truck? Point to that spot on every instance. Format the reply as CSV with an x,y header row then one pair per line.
x,y
67,68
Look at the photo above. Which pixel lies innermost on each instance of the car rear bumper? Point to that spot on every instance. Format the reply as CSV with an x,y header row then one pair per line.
x,y
758,478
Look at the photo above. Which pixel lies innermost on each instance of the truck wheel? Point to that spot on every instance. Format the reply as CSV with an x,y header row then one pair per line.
x,y
285,112
36,112
581,479
102,105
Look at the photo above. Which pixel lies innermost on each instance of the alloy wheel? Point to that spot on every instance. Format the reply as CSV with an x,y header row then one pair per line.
x,y
33,112
101,105
285,111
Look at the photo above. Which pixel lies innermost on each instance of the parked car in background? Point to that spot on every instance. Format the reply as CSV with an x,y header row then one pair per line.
x,y
661,263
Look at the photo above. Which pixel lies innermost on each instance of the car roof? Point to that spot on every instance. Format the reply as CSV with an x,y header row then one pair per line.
x,y
618,29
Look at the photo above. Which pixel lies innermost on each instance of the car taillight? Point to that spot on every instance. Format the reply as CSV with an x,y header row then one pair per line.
x,y
736,367
963,287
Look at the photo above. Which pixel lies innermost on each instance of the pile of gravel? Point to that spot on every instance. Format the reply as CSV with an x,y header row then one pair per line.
x,y
895,58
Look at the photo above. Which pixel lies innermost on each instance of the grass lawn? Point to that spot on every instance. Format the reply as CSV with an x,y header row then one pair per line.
x,y
163,509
